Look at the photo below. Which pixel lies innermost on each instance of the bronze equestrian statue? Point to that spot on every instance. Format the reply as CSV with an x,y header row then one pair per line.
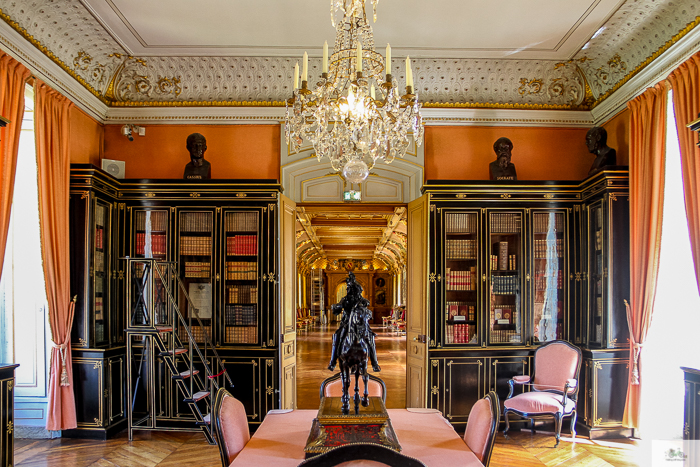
x,y
353,342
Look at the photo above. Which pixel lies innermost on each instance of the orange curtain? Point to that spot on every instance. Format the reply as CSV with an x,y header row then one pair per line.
x,y
13,76
647,167
685,81
53,161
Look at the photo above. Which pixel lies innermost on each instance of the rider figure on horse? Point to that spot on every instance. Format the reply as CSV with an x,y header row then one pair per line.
x,y
353,299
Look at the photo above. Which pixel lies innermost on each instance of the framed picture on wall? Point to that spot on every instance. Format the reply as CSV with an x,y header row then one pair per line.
x,y
379,282
380,297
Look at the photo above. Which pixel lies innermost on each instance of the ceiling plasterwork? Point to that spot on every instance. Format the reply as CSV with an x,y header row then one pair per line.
x,y
635,33
69,34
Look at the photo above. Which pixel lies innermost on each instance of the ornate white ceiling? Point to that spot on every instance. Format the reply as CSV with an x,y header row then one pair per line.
x,y
544,54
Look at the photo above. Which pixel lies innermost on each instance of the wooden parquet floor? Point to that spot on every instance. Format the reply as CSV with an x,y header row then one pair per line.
x,y
170,449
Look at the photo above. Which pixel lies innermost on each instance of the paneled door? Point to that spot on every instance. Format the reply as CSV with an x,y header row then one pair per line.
x,y
287,280
417,300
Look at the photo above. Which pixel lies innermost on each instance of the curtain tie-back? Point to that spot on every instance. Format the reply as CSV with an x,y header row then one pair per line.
x,y
62,351
635,347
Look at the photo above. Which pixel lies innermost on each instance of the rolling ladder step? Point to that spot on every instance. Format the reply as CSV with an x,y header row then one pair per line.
x,y
198,396
185,374
170,353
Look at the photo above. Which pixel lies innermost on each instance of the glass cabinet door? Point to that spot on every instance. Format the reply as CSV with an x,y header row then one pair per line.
x,y
506,316
195,252
596,273
241,311
548,275
462,309
149,240
101,268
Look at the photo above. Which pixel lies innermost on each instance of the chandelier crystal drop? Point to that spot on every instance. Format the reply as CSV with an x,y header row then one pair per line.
x,y
356,114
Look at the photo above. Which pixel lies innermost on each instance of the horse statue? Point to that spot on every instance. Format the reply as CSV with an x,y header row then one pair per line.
x,y
353,343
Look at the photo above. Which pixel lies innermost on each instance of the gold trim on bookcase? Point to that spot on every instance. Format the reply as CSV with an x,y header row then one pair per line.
x,y
82,342
85,194
10,427
150,194
461,196
194,195
241,195
548,195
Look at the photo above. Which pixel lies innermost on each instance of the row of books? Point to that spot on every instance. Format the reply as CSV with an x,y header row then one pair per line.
x,y
196,222
99,285
549,248
468,310
241,222
504,336
242,293
507,222
197,269
460,333
505,285
542,279
461,249
242,245
461,223
544,222
99,237
241,270
158,220
197,333
99,309
240,315
510,263
241,334
100,215
99,332
599,306
195,246
461,280
158,244
598,240
99,261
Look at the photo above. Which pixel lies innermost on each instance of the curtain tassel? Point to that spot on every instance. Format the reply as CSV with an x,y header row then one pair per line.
x,y
636,349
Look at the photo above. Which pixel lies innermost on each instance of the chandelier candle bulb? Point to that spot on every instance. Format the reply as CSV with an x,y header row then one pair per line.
x,y
305,68
325,57
409,73
387,65
296,76
359,57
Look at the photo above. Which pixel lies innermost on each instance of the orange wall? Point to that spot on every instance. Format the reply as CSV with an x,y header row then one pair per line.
x,y
234,151
618,129
87,136
465,152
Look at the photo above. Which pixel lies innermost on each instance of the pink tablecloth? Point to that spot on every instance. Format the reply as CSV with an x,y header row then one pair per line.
x,y
280,440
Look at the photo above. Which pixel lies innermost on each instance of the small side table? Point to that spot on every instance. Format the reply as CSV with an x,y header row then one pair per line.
x,y
7,400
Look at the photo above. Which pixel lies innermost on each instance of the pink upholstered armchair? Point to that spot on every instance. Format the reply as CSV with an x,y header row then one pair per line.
x,y
230,426
481,427
554,387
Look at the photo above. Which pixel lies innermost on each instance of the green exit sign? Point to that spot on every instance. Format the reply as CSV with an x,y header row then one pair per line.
x,y
352,195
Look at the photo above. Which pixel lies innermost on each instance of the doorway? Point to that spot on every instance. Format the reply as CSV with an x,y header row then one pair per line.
x,y
331,240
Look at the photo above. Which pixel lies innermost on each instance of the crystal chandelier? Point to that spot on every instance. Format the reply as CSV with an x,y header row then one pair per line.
x,y
356,115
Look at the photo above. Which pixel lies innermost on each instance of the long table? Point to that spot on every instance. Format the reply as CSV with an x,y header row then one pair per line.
x,y
423,434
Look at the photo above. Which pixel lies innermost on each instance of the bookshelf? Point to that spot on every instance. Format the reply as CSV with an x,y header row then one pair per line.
x,y
597,273
549,247
195,230
101,269
241,231
506,321
461,278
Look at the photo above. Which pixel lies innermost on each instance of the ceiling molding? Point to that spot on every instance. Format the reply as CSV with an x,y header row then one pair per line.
x,y
655,72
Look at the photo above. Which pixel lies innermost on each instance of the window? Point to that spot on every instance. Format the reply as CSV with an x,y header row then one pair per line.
x,y
22,292
671,342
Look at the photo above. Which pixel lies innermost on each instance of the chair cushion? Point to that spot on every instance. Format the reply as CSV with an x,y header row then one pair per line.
x,y
539,402
335,388
234,426
479,428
